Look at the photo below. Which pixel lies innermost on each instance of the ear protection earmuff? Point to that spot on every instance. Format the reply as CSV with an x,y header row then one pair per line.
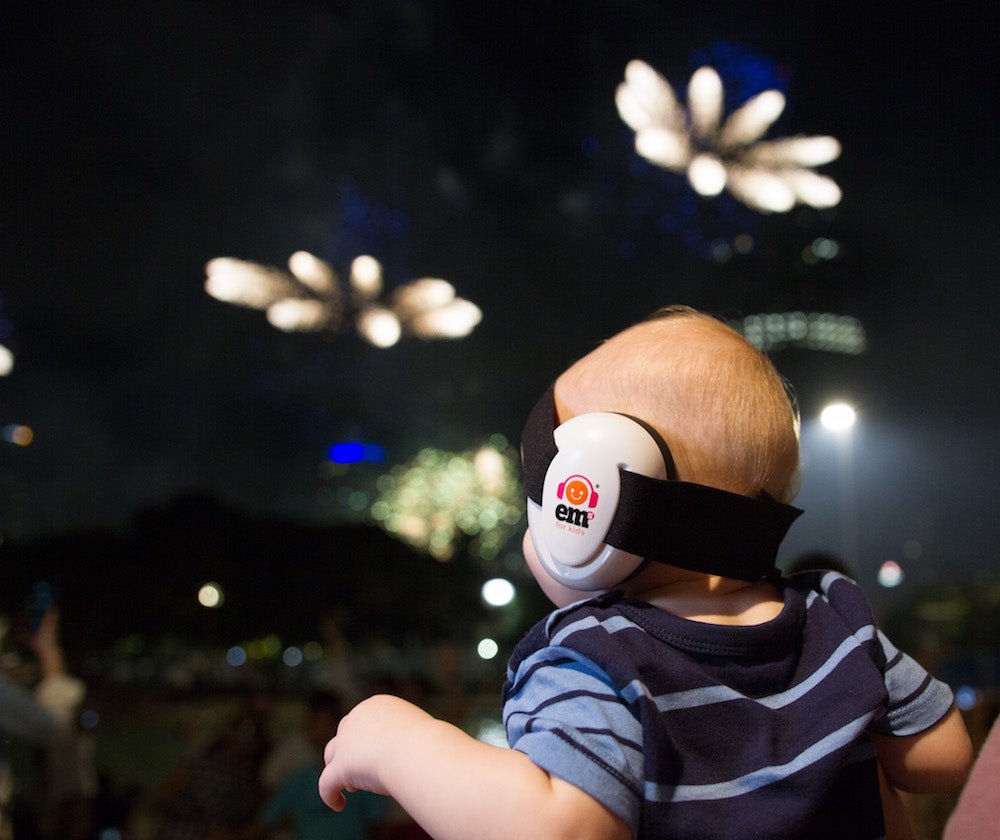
x,y
580,496
603,498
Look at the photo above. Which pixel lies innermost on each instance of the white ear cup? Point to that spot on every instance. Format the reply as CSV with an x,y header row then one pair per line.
x,y
580,498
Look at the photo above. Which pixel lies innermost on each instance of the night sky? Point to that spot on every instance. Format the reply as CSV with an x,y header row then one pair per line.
x,y
478,142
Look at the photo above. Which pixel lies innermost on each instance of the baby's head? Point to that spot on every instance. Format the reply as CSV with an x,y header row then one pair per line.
x,y
718,402
715,399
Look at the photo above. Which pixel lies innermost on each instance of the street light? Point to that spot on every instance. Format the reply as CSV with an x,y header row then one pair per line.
x,y
839,418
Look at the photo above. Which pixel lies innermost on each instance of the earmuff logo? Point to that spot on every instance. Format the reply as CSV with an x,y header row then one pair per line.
x,y
580,493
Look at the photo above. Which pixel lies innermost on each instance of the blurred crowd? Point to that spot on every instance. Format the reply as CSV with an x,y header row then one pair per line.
x,y
247,770
244,781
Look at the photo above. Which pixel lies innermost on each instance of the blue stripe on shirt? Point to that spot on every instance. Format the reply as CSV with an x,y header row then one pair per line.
x,y
722,694
836,740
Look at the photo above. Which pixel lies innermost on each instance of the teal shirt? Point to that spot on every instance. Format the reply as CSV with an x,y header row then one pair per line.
x,y
297,799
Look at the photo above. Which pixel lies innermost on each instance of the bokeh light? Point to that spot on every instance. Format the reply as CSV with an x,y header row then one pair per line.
x,y
967,698
825,331
236,656
487,649
6,361
890,574
210,595
292,656
356,452
18,434
440,500
768,176
498,592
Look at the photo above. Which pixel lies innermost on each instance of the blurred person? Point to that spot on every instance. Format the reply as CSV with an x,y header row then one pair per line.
x,y
975,814
47,718
682,687
216,796
295,802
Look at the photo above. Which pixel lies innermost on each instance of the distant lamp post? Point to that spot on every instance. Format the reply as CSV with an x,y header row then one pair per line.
x,y
840,418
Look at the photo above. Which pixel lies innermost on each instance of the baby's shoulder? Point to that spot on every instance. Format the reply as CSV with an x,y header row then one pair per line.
x,y
834,591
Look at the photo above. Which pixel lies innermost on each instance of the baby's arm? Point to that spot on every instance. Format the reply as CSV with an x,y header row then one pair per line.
x,y
897,822
451,784
934,761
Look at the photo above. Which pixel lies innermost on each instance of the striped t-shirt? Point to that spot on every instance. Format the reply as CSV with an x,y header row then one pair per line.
x,y
694,730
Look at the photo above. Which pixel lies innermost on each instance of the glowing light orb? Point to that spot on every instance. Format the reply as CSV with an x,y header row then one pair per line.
x,y
890,574
355,452
210,595
292,656
6,361
498,592
487,649
236,656
768,176
967,697
837,417
19,434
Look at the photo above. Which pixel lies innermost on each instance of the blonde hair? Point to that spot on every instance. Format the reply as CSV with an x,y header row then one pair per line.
x,y
719,403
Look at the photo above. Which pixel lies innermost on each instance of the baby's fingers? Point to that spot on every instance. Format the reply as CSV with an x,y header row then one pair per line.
x,y
331,789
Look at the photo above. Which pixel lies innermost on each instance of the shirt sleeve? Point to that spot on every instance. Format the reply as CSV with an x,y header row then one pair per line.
x,y
563,712
916,699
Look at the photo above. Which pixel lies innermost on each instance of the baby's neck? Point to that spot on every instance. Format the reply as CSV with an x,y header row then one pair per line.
x,y
714,600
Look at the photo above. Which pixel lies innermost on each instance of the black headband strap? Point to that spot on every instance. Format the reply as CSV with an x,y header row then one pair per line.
x,y
538,447
675,522
699,528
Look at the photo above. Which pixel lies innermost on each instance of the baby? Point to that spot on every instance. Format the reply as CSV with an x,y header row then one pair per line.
x,y
682,688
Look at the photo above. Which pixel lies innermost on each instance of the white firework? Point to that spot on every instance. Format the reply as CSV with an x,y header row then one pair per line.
x,y
308,297
717,153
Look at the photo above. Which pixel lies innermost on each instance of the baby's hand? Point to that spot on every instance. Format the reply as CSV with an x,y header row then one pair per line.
x,y
366,742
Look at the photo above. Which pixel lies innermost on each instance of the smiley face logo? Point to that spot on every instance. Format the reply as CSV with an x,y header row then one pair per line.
x,y
578,491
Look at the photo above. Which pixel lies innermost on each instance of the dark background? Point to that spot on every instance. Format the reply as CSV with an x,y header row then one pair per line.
x,y
477,142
